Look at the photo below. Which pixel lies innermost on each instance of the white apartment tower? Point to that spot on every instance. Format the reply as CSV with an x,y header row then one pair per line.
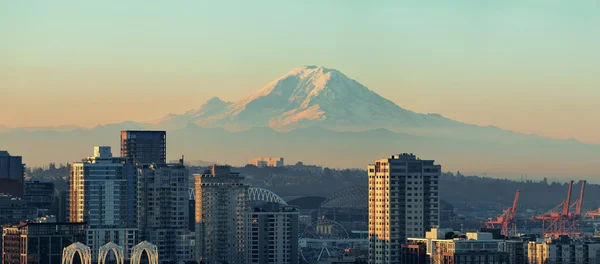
x,y
101,190
221,209
102,194
403,202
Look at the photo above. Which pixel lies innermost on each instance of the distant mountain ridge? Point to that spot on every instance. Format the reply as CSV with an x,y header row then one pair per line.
x,y
319,116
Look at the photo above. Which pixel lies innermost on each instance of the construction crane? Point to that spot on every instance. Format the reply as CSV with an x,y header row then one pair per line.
x,y
507,219
559,221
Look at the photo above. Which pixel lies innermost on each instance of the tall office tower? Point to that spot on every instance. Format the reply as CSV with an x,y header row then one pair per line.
x,y
221,204
12,174
403,202
144,147
163,209
272,234
102,190
11,167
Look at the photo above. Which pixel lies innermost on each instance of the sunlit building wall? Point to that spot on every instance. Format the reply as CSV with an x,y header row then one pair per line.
x,y
403,202
221,204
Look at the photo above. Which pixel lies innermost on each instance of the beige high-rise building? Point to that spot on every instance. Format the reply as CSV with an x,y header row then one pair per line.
x,y
221,209
403,202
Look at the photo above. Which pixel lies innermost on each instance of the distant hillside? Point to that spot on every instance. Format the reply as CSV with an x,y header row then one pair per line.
x,y
454,189
541,195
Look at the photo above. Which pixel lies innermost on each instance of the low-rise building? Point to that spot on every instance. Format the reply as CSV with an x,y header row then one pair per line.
x,y
11,187
39,194
39,242
563,250
98,237
300,166
14,210
469,251
517,251
448,247
414,254
266,162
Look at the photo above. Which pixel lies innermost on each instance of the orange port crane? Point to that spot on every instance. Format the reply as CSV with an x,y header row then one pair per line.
x,y
561,222
507,219
593,214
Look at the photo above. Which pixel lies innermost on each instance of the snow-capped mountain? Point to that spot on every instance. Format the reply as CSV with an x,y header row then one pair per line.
x,y
309,96
212,107
317,114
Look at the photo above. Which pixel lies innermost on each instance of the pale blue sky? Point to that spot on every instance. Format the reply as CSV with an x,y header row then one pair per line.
x,y
529,66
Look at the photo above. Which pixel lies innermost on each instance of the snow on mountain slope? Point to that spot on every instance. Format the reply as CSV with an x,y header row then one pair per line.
x,y
213,106
313,96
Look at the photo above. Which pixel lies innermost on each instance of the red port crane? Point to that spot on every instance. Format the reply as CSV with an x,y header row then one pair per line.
x,y
561,222
507,219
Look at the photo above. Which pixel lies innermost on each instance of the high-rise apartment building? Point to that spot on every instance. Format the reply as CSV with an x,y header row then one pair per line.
x,y
102,194
144,147
163,216
403,202
272,234
102,191
221,208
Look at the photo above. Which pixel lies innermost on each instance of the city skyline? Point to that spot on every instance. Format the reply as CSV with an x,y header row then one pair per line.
x,y
527,67
300,132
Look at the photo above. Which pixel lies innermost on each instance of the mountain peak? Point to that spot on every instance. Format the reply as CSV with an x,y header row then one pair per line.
x,y
214,104
309,95
310,69
214,100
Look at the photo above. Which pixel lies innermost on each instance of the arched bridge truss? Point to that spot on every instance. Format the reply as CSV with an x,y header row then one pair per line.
x,y
351,197
254,194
